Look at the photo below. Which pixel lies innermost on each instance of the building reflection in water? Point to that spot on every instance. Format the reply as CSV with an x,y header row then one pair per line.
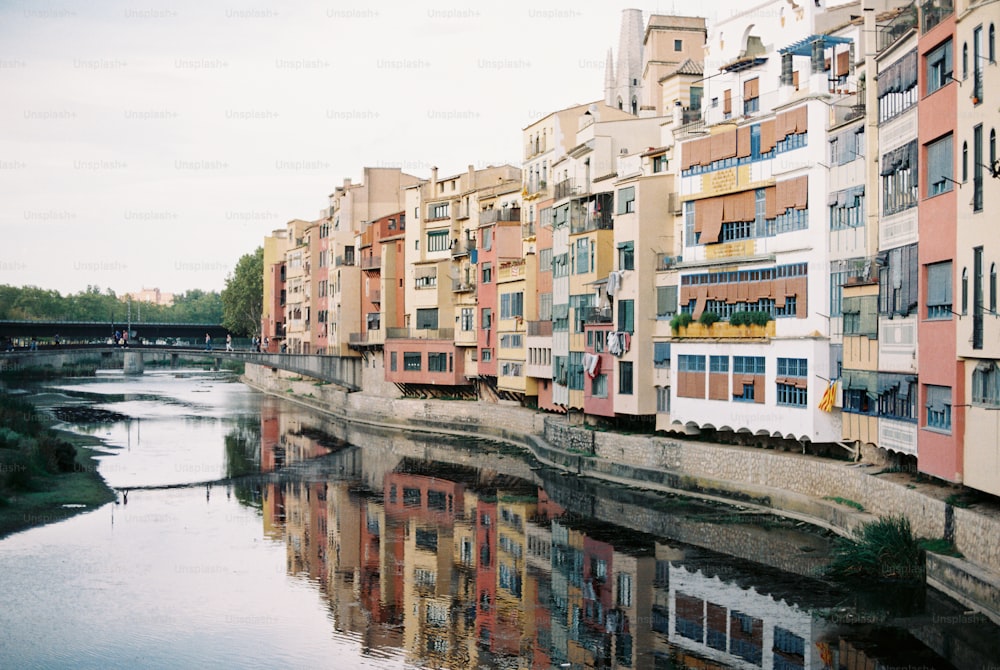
x,y
464,567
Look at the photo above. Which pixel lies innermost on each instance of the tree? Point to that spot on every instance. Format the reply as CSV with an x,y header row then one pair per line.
x,y
243,297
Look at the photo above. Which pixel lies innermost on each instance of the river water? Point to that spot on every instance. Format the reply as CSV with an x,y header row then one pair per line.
x,y
251,532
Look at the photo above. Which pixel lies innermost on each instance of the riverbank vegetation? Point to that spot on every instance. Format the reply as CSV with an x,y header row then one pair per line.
x,y
45,475
884,549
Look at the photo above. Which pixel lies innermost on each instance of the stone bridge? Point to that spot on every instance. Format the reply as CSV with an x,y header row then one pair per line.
x,y
339,370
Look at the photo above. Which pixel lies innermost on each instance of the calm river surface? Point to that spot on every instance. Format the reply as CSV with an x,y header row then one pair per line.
x,y
250,532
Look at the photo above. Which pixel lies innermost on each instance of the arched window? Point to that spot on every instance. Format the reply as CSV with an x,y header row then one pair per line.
x,y
965,161
965,291
620,104
991,46
993,288
635,107
965,61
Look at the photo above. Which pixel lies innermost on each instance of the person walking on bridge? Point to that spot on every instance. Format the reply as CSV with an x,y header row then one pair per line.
x,y
229,341
208,342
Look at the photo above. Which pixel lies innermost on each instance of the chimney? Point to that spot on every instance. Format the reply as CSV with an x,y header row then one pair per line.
x,y
347,183
434,176
472,177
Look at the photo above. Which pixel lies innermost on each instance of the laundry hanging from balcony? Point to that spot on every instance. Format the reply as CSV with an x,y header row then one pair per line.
x,y
592,365
618,342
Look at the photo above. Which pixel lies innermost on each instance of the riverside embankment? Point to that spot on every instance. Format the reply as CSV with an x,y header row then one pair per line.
x,y
794,485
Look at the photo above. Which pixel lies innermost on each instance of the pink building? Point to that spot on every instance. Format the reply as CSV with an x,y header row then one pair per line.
x,y
941,420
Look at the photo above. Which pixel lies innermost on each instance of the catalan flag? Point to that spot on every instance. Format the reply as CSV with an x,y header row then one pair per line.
x,y
829,397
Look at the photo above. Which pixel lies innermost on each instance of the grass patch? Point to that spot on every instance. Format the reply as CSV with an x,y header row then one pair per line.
x,y
940,546
846,501
884,549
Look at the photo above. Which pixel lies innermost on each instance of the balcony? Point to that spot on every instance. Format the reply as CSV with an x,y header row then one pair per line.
x,y
581,222
512,270
462,211
535,185
849,109
933,12
891,32
539,329
598,315
528,230
462,247
342,261
565,189
535,147
666,262
375,296
502,214
371,263
420,333
462,285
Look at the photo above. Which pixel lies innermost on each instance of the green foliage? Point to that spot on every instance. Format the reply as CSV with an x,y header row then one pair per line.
x,y
708,318
91,304
940,546
749,318
881,549
243,297
846,501
56,455
680,320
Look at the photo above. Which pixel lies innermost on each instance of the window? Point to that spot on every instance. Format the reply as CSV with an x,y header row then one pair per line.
x,y
991,45
486,355
599,386
511,305
487,273
977,168
993,288
718,364
437,362
748,365
545,260
897,87
897,397
939,67
899,179
581,256
751,95
793,381
897,279
411,360
965,161
661,354
467,319
511,341
626,200
690,237
575,378
689,363
678,45
662,399
438,210
545,307
986,384
486,318
939,283
393,361
659,164
938,406
965,291
847,208
625,378
437,240
940,166
626,316
666,301
977,70
427,318
626,255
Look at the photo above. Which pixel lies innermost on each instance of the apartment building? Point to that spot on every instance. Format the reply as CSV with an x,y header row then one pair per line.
x,y
977,246
298,280
753,351
942,418
272,318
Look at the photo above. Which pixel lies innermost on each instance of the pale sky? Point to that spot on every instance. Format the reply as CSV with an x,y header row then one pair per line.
x,y
152,144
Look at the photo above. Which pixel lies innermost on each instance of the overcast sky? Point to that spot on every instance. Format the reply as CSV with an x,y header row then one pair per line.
x,y
152,144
